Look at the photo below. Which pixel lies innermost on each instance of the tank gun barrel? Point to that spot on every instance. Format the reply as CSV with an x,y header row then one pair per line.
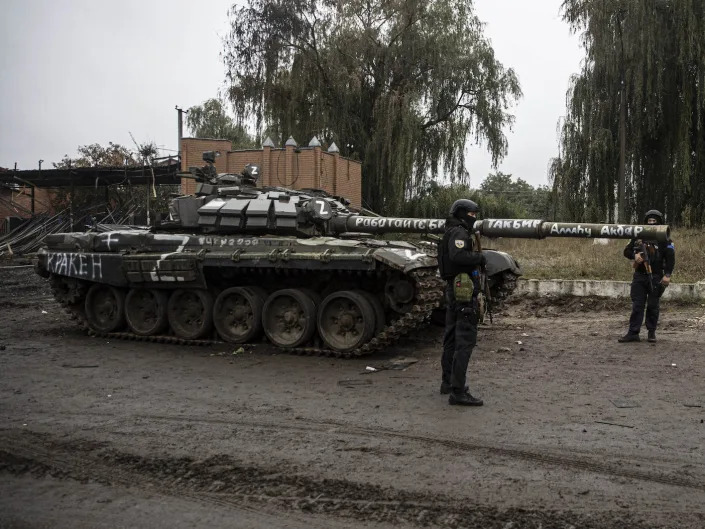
x,y
363,224
514,228
539,229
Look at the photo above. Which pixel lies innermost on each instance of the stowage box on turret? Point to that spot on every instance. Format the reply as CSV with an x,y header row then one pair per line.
x,y
235,261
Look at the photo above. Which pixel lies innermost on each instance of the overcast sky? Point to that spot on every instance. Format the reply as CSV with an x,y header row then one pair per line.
x,y
75,72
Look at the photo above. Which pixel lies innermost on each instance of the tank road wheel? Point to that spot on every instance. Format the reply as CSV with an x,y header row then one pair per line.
x,y
380,317
105,308
237,314
346,320
145,311
400,294
289,318
190,313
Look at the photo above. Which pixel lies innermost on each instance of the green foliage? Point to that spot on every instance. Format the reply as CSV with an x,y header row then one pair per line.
x,y
210,120
400,85
644,60
434,200
498,196
95,155
517,196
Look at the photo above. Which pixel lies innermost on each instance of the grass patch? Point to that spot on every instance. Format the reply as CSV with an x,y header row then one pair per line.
x,y
567,258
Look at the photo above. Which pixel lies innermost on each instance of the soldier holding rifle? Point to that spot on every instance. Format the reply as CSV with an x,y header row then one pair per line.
x,y
653,265
460,262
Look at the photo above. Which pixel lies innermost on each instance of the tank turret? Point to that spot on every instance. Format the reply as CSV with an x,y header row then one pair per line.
x,y
235,261
230,204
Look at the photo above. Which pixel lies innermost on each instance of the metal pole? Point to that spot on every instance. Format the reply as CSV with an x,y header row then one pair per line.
x,y
40,179
181,128
71,196
148,193
180,113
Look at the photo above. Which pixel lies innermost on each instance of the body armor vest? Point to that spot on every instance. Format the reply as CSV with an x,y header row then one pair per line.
x,y
447,268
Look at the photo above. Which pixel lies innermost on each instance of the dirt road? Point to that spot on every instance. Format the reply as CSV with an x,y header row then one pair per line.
x,y
577,430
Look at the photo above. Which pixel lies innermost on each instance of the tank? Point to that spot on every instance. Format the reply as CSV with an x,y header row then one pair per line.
x,y
235,262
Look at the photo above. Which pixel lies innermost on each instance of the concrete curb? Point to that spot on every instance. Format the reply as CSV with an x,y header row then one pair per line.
x,y
609,289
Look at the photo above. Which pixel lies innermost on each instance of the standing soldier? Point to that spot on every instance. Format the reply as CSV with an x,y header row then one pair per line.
x,y
653,266
460,266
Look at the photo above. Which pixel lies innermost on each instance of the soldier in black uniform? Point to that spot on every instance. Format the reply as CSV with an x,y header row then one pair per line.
x,y
456,257
647,290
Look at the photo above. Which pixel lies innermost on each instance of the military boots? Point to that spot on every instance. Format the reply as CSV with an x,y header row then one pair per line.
x,y
464,399
629,337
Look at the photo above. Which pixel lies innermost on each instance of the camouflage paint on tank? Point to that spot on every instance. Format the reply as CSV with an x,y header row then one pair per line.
x,y
122,258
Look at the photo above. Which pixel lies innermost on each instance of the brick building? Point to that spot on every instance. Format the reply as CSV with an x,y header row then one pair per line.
x,y
16,201
291,166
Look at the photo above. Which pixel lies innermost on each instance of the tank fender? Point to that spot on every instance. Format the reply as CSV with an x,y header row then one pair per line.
x,y
70,241
120,240
404,259
498,262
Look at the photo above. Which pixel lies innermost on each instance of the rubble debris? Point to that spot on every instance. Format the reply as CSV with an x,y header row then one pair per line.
x,y
400,363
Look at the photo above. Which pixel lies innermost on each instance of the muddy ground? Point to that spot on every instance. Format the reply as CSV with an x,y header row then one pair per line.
x,y
577,430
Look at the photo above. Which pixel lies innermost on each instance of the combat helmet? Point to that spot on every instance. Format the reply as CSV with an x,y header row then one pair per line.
x,y
653,213
462,207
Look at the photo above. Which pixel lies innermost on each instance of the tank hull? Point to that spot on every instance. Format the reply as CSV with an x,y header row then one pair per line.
x,y
393,286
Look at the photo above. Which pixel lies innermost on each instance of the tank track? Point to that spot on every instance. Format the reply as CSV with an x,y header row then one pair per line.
x,y
429,293
504,288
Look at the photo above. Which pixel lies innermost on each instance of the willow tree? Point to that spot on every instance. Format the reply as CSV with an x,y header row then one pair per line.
x,y
402,85
635,121
210,120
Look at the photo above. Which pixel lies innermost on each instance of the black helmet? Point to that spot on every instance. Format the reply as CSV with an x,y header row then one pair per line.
x,y
654,213
462,207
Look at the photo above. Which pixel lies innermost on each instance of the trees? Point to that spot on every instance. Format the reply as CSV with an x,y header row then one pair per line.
x,y
400,85
95,155
498,196
519,198
635,122
210,120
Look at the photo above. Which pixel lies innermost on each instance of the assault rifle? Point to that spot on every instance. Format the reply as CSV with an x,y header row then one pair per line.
x,y
484,284
643,250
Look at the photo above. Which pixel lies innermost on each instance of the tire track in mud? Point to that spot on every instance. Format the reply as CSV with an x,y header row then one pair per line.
x,y
569,462
223,481
20,457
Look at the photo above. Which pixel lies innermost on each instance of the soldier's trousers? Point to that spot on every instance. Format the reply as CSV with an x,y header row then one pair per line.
x,y
643,296
459,339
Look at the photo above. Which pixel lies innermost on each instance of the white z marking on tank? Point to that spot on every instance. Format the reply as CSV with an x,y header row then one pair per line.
x,y
155,276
